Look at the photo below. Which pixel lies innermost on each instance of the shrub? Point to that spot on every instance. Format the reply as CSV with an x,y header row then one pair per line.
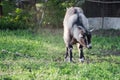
x,y
17,20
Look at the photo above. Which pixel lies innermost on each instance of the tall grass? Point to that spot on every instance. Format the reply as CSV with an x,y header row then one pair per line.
x,y
27,56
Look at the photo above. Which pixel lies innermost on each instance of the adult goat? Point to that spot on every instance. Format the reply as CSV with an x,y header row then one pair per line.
x,y
76,31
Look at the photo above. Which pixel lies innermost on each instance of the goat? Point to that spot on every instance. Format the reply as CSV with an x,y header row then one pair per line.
x,y
76,31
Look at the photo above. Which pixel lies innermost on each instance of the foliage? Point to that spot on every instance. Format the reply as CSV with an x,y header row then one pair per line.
x,y
14,18
55,11
27,56
8,7
17,20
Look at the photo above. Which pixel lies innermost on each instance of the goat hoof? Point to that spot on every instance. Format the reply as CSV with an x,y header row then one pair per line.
x,y
81,60
68,60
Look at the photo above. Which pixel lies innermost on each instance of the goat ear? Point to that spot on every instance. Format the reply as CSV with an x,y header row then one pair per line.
x,y
66,8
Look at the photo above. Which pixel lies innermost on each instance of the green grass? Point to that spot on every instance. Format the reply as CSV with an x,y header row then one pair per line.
x,y
27,56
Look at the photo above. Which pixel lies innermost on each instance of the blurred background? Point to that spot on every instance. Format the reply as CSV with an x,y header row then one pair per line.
x,y
33,14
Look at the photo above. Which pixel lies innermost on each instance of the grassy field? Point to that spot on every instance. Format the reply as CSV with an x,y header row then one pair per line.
x,y
27,56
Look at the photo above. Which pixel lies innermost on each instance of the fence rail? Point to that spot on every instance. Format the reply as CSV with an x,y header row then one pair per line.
x,y
104,2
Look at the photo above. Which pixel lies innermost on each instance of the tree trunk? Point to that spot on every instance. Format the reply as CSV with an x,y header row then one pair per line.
x,y
1,11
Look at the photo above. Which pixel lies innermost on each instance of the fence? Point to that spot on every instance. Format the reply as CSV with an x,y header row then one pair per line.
x,y
103,14
97,8
109,23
